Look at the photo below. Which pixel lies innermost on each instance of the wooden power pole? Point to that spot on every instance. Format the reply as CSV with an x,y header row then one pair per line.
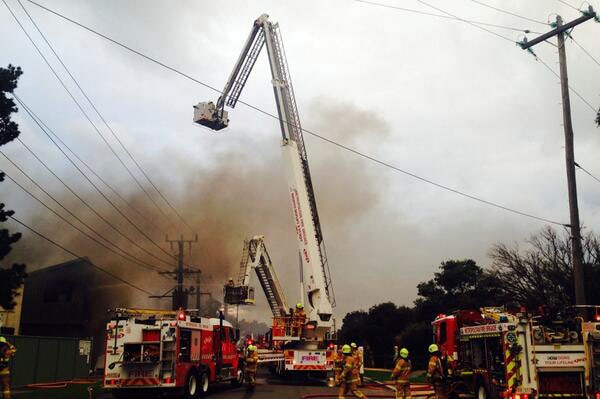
x,y
576,248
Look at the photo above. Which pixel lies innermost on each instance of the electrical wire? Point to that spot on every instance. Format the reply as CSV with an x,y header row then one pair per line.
x,y
587,172
94,186
573,90
111,225
464,20
110,147
122,252
569,5
444,16
137,164
312,133
509,12
584,50
96,174
37,233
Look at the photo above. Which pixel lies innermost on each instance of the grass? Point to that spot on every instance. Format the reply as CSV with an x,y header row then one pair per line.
x,y
72,391
382,375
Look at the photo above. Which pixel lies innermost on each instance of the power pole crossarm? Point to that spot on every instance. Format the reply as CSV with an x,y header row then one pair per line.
x,y
559,29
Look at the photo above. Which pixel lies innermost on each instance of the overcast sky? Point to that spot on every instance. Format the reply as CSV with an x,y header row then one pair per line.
x,y
436,97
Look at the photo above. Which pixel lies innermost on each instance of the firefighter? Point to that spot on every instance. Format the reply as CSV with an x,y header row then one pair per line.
x,y
298,319
435,372
6,352
338,365
358,361
251,364
348,378
401,374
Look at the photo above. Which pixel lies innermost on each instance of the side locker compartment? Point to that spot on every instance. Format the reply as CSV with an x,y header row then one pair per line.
x,y
206,352
168,355
195,344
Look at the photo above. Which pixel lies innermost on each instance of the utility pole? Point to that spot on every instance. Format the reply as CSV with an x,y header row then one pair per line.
x,y
179,293
576,248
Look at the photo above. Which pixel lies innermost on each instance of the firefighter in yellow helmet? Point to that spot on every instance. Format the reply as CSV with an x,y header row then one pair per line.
x,y
401,374
358,360
435,372
348,379
338,365
250,365
6,352
298,319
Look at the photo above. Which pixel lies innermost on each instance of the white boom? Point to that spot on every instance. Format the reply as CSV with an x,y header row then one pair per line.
x,y
318,287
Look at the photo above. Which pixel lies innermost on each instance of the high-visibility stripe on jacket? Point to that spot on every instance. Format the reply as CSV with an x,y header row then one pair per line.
x,y
402,370
434,368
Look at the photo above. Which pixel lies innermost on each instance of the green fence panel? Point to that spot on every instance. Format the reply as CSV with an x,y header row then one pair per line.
x,y
45,367
48,359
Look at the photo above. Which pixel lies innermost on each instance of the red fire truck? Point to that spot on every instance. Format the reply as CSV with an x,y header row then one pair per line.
x,y
492,353
150,350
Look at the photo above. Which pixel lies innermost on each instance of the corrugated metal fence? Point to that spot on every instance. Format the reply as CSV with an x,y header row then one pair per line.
x,y
48,359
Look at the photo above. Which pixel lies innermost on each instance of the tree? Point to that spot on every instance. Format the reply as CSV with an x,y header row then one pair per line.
x,y
542,275
598,118
459,284
10,278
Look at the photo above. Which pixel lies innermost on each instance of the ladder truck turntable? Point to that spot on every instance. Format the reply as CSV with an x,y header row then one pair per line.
x,y
492,353
311,344
156,350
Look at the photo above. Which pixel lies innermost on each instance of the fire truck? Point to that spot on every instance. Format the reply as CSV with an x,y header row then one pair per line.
x,y
152,350
304,346
492,353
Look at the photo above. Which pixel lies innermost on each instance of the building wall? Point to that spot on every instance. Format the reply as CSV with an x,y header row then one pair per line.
x,y
10,320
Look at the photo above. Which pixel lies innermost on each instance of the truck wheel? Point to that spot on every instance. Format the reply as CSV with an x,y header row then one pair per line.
x,y
192,385
204,384
239,378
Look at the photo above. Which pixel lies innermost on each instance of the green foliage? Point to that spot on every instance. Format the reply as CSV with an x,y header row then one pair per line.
x,y
460,284
10,278
9,130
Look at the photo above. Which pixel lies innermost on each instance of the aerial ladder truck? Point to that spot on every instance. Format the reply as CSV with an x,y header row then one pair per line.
x,y
306,350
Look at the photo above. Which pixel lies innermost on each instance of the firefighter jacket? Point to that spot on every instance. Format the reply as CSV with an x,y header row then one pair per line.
x,y
6,352
401,372
357,363
435,371
349,374
251,361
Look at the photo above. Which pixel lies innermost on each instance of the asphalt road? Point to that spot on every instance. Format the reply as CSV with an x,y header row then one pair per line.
x,y
274,388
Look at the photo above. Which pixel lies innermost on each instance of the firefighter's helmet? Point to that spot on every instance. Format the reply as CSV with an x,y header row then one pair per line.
x,y
353,345
346,349
251,348
2,340
299,305
433,348
404,353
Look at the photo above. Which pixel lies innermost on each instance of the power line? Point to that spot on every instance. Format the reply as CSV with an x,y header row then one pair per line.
x,y
110,147
37,233
567,4
443,16
509,12
96,174
137,164
342,146
584,50
464,20
122,254
570,88
94,186
587,172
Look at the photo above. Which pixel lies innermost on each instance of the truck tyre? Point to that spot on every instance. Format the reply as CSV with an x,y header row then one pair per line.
x,y
192,385
238,381
203,383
